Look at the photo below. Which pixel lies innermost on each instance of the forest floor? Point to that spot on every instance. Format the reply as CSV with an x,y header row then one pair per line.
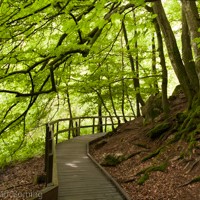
x,y
19,180
152,169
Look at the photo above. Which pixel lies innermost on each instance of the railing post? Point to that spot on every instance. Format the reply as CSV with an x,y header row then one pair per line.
x,y
46,146
77,134
100,124
49,154
105,124
93,126
69,129
57,129
50,169
79,125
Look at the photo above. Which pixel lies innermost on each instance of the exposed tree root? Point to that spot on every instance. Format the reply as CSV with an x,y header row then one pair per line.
x,y
146,172
193,165
129,180
134,154
154,154
194,180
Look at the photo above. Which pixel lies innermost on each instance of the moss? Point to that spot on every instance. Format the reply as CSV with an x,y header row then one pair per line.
x,y
145,172
152,108
161,168
176,137
192,140
195,180
113,160
180,117
143,178
155,153
182,155
158,130
178,90
193,119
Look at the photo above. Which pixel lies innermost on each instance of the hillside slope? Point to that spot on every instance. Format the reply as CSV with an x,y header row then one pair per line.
x,y
151,161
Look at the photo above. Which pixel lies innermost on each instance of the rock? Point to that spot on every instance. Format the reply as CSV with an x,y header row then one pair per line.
x,y
152,108
178,92
113,159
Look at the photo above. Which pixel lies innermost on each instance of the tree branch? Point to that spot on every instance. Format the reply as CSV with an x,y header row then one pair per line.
x,y
79,31
31,14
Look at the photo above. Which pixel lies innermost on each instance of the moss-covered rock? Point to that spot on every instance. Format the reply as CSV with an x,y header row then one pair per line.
x,y
176,93
158,130
152,108
178,90
113,159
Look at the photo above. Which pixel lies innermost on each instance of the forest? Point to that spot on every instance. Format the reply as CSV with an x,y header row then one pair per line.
x,y
71,58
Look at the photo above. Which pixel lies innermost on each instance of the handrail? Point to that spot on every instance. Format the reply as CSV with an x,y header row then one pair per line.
x,y
50,192
85,117
77,126
52,130
50,165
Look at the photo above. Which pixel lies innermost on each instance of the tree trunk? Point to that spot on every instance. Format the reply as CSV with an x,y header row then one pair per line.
x,y
130,102
187,54
138,95
100,122
113,104
165,103
191,13
123,83
135,78
154,71
105,107
173,51
70,114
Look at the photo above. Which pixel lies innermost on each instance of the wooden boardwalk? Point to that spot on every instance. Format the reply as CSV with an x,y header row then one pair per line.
x,y
78,177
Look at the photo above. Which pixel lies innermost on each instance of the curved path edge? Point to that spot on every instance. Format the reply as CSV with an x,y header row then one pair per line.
x,y
108,176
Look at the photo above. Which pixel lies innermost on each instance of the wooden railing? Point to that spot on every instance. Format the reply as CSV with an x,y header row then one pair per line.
x,y
51,190
76,124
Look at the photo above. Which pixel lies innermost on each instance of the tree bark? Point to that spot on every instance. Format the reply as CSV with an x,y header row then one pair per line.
x,y
165,103
113,104
70,113
187,54
173,51
100,122
123,83
191,13
135,78
154,70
